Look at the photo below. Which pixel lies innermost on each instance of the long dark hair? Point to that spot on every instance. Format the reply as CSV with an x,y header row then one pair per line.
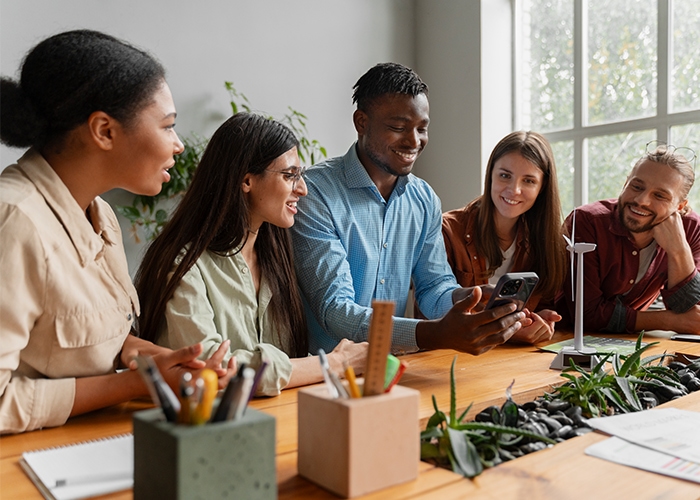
x,y
67,77
542,223
214,216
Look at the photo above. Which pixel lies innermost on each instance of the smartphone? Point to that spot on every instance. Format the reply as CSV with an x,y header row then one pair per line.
x,y
515,288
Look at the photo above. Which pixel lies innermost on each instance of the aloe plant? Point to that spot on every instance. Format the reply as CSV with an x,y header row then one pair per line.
x,y
602,392
468,447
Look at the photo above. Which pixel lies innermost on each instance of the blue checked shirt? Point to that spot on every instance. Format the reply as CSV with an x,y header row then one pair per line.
x,y
351,246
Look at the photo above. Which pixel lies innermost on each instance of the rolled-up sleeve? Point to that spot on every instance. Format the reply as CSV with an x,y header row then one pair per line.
x,y
197,314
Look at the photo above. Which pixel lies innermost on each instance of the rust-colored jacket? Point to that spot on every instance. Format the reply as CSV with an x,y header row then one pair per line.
x,y
459,228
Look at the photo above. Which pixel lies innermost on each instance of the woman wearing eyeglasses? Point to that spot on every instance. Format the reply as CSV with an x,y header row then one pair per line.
x,y
221,270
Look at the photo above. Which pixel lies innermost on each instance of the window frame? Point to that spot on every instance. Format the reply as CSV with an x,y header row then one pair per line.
x,y
580,132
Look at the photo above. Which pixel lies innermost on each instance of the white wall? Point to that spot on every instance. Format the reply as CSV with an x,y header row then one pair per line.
x,y
463,52
306,54
303,53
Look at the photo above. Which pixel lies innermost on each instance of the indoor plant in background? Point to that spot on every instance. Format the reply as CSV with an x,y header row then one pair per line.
x,y
148,214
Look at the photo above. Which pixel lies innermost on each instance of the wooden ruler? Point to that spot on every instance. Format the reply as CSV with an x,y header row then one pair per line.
x,y
380,330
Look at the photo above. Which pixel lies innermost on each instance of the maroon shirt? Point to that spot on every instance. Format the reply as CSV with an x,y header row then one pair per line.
x,y
611,269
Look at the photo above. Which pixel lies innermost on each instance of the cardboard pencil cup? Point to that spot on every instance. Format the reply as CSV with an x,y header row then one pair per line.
x,y
352,447
230,459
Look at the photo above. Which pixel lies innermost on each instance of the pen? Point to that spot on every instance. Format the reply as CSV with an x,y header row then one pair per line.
x,y
165,396
352,382
342,391
207,385
227,398
240,400
186,398
325,368
94,478
256,380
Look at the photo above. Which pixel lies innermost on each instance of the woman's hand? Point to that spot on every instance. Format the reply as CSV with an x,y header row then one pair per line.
x,y
179,361
541,328
350,353
215,363
135,346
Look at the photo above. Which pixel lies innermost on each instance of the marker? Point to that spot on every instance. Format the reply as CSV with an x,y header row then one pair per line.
x,y
342,391
240,399
228,396
209,383
186,399
352,382
325,369
256,380
165,397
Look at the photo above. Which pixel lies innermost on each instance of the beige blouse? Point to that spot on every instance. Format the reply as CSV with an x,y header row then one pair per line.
x,y
66,299
216,301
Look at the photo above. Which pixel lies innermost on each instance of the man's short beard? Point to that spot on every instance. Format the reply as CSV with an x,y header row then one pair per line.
x,y
383,165
639,229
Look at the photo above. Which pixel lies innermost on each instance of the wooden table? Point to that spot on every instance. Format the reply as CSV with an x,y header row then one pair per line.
x,y
561,472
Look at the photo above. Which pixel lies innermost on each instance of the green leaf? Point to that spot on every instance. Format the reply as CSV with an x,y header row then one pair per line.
x,y
161,216
435,419
509,413
130,212
465,453
502,429
431,432
429,450
626,386
453,394
464,413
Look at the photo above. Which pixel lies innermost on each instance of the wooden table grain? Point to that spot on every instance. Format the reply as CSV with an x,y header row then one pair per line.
x,y
560,472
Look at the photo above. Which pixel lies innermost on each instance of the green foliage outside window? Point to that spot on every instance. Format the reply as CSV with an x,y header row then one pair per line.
x,y
621,69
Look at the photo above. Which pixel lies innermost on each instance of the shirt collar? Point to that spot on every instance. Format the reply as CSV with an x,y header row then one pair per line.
x,y
616,226
356,175
88,239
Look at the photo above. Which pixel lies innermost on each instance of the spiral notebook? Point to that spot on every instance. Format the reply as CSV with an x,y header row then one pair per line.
x,y
82,470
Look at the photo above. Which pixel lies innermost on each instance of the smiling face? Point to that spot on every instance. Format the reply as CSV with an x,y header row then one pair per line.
x,y
650,195
148,146
273,195
392,133
515,185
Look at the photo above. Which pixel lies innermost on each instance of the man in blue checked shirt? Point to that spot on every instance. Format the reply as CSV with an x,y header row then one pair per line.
x,y
368,227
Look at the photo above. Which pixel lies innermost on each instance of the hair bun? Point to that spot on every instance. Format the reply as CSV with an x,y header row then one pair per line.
x,y
20,123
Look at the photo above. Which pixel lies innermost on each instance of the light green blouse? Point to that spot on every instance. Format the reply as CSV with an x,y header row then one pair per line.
x,y
216,301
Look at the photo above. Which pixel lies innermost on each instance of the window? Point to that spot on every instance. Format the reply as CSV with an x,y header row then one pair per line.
x,y
601,78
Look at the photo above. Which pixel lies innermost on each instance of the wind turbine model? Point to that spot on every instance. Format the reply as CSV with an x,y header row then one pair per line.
x,y
582,355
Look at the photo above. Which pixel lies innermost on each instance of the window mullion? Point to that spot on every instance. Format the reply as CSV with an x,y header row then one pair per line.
x,y
663,64
580,101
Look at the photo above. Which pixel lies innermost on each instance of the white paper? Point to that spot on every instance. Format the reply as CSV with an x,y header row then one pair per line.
x,y
668,430
95,467
622,452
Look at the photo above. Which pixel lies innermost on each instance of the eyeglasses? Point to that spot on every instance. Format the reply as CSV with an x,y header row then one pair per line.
x,y
655,147
293,174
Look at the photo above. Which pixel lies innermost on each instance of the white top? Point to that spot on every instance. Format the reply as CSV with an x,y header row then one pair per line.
x,y
506,265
